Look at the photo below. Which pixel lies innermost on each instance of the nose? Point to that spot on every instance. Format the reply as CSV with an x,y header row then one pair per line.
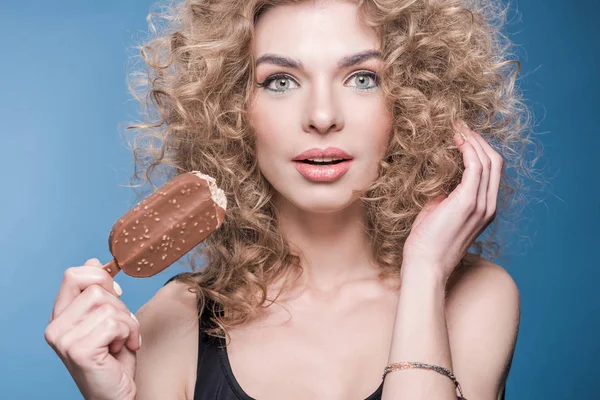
x,y
323,114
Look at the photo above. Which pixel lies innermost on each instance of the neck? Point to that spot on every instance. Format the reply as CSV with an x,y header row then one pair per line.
x,y
333,247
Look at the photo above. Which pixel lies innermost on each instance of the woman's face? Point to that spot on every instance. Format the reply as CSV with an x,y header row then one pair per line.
x,y
325,94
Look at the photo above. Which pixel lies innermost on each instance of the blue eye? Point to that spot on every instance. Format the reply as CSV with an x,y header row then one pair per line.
x,y
282,82
364,78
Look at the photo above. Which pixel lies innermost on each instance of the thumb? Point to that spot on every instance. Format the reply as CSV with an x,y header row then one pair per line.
x,y
93,262
428,208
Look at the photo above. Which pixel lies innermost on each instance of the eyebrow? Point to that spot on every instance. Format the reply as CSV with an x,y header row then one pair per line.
x,y
344,62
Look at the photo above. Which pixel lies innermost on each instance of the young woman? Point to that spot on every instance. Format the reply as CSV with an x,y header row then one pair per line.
x,y
361,146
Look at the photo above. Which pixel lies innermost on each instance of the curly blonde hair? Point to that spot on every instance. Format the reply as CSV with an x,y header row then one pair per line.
x,y
443,60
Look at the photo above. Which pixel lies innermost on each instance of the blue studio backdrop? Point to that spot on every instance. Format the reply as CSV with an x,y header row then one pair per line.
x,y
63,106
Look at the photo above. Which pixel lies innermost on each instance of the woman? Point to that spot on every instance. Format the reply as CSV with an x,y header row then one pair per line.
x,y
335,263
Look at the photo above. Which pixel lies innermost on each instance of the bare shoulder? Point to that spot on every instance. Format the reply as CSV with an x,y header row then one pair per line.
x,y
169,327
483,313
173,306
480,275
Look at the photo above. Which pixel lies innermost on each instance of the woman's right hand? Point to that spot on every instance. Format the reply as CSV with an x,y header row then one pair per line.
x,y
94,333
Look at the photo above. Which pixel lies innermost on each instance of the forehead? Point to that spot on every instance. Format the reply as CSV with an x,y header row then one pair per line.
x,y
312,30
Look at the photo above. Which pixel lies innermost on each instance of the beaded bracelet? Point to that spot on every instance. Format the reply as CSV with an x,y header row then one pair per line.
x,y
436,368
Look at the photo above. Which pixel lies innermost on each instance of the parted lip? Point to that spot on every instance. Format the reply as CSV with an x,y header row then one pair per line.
x,y
330,152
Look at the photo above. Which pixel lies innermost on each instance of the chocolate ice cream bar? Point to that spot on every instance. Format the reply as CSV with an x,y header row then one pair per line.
x,y
166,225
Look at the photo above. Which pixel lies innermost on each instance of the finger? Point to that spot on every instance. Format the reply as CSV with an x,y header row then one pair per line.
x,y
495,172
468,188
95,344
114,333
485,174
92,297
107,317
76,279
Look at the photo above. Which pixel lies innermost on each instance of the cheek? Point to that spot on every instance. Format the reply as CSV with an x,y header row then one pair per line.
x,y
373,122
269,132
265,133
384,131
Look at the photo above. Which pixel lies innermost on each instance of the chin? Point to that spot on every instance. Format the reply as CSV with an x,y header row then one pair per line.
x,y
318,200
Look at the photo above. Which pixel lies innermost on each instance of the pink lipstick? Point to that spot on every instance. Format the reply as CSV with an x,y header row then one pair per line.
x,y
323,165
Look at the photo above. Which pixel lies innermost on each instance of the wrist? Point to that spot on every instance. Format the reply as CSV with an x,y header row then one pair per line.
x,y
422,275
424,287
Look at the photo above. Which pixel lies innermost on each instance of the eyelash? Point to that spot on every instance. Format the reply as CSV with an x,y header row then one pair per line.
x,y
264,84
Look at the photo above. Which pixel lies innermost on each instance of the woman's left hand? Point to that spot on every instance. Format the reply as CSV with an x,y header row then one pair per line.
x,y
447,226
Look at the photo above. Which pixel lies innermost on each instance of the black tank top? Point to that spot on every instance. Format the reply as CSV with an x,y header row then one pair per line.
x,y
214,377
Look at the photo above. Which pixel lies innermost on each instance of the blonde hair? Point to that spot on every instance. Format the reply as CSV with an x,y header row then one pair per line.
x,y
444,60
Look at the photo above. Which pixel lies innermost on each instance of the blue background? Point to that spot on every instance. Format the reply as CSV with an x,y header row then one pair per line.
x,y
63,107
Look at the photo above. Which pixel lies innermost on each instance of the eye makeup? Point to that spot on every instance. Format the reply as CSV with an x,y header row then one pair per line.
x,y
266,84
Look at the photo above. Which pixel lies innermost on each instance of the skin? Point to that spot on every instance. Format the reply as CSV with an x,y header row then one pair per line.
x,y
322,339
323,106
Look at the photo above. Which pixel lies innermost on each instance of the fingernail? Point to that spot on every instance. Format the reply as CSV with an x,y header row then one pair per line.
x,y
134,318
460,134
117,288
140,340
464,126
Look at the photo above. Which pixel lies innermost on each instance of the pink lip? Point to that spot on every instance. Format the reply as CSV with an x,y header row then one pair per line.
x,y
332,152
326,173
